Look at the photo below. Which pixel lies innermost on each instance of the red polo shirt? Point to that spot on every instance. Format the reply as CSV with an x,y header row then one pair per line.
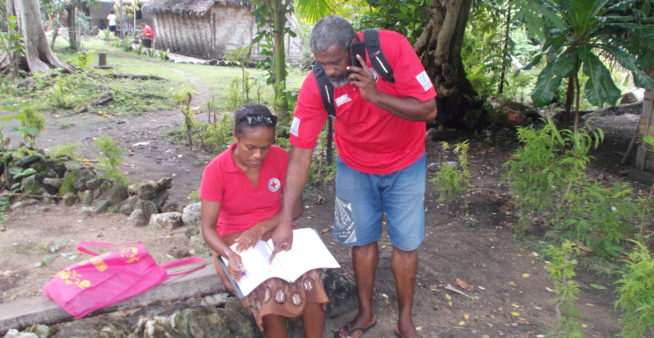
x,y
369,139
241,205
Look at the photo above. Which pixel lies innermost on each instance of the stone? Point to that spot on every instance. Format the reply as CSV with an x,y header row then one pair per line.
x,y
31,186
69,199
218,299
172,206
179,252
127,206
85,197
167,221
87,210
13,333
155,328
191,214
73,166
116,194
94,183
339,289
101,206
54,182
81,177
198,247
137,218
148,208
40,330
28,161
161,199
23,204
93,327
102,189
205,321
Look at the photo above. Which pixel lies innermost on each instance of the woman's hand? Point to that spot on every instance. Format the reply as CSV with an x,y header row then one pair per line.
x,y
249,238
235,266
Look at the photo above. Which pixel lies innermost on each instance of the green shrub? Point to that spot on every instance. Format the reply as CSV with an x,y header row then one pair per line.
x,y
636,293
66,150
561,269
452,180
110,159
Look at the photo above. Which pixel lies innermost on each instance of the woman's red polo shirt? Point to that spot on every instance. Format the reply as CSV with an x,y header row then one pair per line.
x,y
241,205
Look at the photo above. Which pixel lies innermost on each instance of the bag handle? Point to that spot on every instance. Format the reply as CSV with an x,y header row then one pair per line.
x,y
184,262
81,246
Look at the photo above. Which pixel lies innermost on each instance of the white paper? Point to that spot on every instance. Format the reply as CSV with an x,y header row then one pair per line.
x,y
308,253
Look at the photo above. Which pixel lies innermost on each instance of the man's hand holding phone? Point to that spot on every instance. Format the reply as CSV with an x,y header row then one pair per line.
x,y
360,75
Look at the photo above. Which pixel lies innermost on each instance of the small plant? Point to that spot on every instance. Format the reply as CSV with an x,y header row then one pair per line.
x,y
636,293
66,150
195,196
183,98
11,42
32,123
452,180
60,97
562,272
111,159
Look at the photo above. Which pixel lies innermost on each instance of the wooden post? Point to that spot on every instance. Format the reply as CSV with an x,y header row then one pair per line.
x,y
645,153
102,60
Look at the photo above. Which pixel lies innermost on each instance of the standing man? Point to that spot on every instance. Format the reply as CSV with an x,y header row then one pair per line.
x,y
111,18
381,167
148,35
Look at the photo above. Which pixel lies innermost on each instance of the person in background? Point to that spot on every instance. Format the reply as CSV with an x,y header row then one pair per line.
x,y
111,18
241,194
379,131
147,35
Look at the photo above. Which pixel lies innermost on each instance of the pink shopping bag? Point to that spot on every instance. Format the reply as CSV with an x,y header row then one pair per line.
x,y
109,278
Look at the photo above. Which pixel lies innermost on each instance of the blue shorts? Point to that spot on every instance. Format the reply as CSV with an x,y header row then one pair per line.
x,y
362,199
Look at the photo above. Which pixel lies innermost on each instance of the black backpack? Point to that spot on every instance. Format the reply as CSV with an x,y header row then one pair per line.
x,y
379,63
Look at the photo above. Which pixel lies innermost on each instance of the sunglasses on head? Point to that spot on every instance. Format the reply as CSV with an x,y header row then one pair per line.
x,y
257,119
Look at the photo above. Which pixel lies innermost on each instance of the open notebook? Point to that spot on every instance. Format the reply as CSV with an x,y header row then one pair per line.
x,y
308,253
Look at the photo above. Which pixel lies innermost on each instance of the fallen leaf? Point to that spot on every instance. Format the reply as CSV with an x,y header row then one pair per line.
x,y
385,298
466,316
320,200
461,323
433,287
525,275
582,246
448,297
462,284
515,314
325,230
597,286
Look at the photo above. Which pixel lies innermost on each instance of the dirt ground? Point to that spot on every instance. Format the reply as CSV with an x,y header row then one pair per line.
x,y
510,293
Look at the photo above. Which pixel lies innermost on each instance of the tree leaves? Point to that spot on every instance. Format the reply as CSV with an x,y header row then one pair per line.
x,y
550,78
600,87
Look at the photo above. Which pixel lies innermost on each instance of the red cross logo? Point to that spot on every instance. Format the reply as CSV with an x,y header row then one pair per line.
x,y
274,184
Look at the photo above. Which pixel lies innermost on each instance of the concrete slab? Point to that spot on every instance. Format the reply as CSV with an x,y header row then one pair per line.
x,y
25,312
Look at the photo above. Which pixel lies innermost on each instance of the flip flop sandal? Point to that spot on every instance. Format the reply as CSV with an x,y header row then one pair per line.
x,y
351,330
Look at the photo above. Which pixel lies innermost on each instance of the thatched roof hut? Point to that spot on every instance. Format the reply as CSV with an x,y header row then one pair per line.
x,y
205,28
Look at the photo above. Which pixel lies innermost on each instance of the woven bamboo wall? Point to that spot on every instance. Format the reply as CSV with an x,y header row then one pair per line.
x,y
645,153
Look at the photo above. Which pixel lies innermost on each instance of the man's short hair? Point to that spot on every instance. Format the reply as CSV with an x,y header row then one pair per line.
x,y
331,30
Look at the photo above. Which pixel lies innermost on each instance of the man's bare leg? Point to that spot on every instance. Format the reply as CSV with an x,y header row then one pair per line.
x,y
274,326
364,261
313,320
405,265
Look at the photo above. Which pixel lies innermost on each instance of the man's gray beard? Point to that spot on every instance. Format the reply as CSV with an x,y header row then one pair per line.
x,y
339,83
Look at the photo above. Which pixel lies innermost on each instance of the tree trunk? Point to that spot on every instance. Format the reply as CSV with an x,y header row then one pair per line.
x,y
38,56
279,59
71,22
505,51
55,33
122,21
439,48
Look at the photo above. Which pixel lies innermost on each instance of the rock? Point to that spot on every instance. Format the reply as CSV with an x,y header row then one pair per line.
x,y
13,333
191,214
93,327
172,206
632,96
161,199
136,218
198,247
179,252
27,84
116,194
167,221
28,161
241,321
148,208
339,289
53,182
81,177
127,206
101,206
23,204
102,189
85,197
87,210
157,327
40,330
31,186
218,299
95,183
69,199
73,166
205,321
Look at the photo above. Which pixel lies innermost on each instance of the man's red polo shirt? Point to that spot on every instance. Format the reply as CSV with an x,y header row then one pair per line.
x,y
369,139
241,205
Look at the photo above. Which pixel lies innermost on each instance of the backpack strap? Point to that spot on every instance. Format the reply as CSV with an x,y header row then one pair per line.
x,y
327,95
379,62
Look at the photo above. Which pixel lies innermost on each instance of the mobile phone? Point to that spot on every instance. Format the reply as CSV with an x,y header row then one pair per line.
x,y
357,48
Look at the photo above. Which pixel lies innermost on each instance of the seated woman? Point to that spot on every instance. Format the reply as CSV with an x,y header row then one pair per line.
x,y
241,195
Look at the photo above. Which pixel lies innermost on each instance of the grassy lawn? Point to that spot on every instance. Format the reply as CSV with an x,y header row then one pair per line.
x,y
67,93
